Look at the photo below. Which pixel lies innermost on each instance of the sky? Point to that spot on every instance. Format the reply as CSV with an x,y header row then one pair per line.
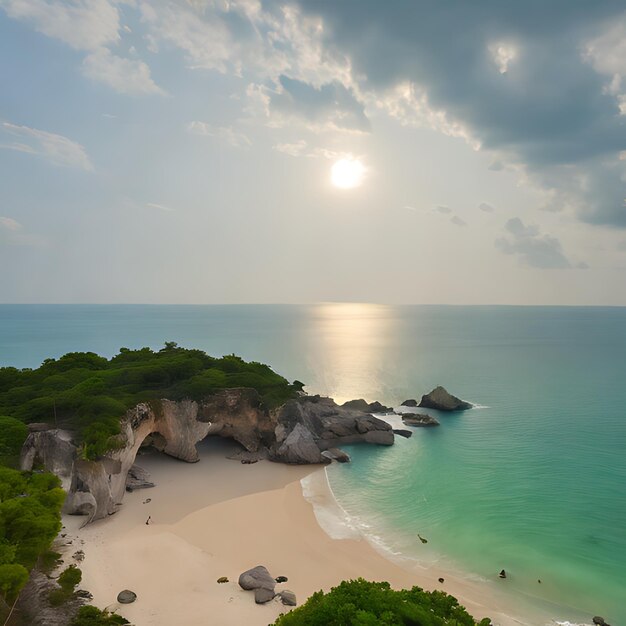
x,y
187,151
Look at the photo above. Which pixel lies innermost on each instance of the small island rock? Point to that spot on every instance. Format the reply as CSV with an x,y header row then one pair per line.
x,y
419,419
599,621
409,403
126,597
441,400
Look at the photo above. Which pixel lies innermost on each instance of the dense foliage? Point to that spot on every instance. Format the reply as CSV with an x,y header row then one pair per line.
x,y
12,436
91,616
30,518
363,603
90,393
68,579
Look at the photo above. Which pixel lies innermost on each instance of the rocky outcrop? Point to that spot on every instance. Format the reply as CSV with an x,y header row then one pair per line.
x,y
441,400
259,580
401,432
335,454
409,403
138,478
419,419
288,598
365,407
297,432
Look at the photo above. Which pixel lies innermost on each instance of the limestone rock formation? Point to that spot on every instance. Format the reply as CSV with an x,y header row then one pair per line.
x,y
138,478
297,432
441,400
419,419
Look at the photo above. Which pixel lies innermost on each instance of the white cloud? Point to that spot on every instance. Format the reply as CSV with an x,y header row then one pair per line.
x,y
154,205
82,24
226,133
455,219
57,149
9,223
301,148
487,208
123,75
502,54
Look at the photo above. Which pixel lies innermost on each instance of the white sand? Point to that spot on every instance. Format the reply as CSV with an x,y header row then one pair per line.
x,y
218,518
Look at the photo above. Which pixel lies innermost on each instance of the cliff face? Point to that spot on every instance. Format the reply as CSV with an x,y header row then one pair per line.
x,y
297,432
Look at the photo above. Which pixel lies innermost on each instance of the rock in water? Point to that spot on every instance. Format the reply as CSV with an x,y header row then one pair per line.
x,y
126,597
422,539
402,433
409,403
419,419
261,596
335,454
288,597
599,621
441,400
502,574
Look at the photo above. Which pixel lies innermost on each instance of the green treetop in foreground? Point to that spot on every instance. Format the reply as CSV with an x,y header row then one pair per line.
x,y
89,393
363,603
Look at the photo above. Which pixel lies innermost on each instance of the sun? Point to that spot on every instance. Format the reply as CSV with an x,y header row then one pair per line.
x,y
347,173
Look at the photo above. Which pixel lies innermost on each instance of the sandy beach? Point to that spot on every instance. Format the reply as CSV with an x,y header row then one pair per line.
x,y
219,517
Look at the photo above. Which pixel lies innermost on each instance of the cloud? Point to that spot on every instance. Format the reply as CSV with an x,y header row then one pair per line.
x,y
82,24
455,219
57,149
330,106
228,134
123,75
539,103
487,208
532,248
161,207
443,209
9,223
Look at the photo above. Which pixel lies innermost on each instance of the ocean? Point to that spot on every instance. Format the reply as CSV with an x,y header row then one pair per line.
x,y
532,480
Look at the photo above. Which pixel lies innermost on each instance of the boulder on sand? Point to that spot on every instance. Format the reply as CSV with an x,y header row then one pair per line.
x,y
126,597
256,578
288,597
261,596
441,400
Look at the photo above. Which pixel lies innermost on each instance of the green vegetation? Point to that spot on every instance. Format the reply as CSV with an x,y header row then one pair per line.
x,y
30,518
91,616
68,579
88,393
363,603
13,433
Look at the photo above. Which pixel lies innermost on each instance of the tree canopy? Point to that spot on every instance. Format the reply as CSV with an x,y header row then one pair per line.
x,y
89,393
362,603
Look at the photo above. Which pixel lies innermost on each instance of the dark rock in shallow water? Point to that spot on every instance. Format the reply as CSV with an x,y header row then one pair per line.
x,y
126,597
335,454
599,621
419,419
502,574
441,400
409,403
402,432
288,597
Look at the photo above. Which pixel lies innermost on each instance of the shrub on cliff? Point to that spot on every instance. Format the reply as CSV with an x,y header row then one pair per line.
x,y
363,603
89,393
91,616
12,436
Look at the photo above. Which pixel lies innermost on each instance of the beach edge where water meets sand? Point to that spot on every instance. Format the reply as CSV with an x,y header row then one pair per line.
x,y
218,518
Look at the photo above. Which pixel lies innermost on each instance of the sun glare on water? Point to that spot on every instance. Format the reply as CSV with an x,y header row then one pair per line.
x,y
347,173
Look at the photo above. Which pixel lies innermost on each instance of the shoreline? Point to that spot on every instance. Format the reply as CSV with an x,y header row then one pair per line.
x,y
219,517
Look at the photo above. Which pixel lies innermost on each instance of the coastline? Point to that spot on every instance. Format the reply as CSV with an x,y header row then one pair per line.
x,y
219,518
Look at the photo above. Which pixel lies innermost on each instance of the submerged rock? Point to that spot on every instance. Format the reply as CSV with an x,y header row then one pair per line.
x,y
126,597
419,419
441,400
335,454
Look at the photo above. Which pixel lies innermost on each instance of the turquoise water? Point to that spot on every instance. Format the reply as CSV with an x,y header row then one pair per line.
x,y
535,482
